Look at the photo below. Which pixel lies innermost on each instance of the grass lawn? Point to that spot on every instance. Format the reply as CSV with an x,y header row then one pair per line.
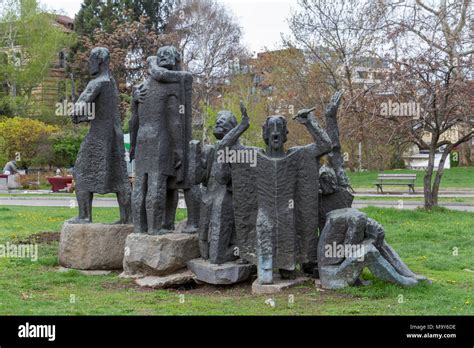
x,y
469,200
18,193
425,240
454,178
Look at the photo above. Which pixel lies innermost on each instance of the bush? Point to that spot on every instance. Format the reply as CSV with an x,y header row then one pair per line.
x,y
66,146
23,139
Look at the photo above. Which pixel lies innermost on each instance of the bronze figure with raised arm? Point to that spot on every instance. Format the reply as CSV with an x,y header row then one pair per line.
x,y
279,191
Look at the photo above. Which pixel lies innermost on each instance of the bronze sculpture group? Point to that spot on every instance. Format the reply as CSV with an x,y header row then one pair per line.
x,y
266,213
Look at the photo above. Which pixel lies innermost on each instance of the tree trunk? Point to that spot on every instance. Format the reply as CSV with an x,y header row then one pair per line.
x,y
427,179
439,175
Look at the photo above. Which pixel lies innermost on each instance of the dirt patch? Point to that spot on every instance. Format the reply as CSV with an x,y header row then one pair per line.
x,y
129,284
190,288
311,293
239,289
41,238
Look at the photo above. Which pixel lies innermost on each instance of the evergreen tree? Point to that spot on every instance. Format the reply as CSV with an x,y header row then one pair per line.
x,y
89,17
100,14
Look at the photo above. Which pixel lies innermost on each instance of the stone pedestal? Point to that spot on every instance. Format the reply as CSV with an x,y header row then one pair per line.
x,y
93,246
278,285
225,273
150,255
159,282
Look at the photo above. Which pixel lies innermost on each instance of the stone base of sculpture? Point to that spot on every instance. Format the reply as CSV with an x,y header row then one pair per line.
x,y
159,255
225,273
179,278
278,285
93,246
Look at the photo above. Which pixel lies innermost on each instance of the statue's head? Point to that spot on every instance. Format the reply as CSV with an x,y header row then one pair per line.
x,y
275,131
169,57
99,57
224,123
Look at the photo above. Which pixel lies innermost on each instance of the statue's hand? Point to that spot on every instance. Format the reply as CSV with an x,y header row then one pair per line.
x,y
81,113
331,109
302,115
243,111
140,93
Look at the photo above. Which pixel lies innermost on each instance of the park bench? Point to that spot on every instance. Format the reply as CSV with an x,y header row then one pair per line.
x,y
396,179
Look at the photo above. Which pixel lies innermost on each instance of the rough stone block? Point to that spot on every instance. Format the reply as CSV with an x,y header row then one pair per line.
x,y
171,280
158,255
278,285
93,246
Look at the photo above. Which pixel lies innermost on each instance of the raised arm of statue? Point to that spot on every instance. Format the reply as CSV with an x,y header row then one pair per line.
x,y
336,160
322,142
81,111
233,136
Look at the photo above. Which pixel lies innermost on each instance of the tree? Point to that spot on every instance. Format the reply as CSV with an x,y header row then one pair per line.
x,y
101,14
132,30
29,41
341,37
291,82
209,39
22,138
432,55
240,88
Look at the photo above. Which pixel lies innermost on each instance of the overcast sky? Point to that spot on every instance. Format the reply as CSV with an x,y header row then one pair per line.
x,y
262,21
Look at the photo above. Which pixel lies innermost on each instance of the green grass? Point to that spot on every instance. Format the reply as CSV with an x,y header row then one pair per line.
x,y
425,241
454,178
468,200
18,193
